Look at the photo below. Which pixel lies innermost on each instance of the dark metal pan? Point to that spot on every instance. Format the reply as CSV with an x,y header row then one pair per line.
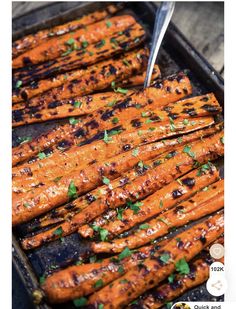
x,y
176,54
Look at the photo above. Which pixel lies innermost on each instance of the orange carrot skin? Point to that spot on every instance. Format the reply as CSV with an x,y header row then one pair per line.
x,y
61,286
106,122
61,213
199,273
152,271
145,185
92,54
55,47
158,94
168,197
30,41
56,194
201,204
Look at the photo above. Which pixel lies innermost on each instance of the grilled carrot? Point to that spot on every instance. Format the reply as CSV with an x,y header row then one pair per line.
x,y
55,47
201,204
167,198
63,212
124,41
88,274
30,41
176,110
140,188
154,269
125,120
30,91
158,93
115,142
158,296
101,79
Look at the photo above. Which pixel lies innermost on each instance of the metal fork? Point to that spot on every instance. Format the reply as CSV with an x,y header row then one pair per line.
x,y
163,17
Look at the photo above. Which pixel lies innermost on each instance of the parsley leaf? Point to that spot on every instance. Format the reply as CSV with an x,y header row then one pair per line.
x,y
165,257
73,121
58,231
108,24
135,152
77,104
182,267
187,149
125,253
98,284
121,90
72,190
144,226
18,84
105,180
80,302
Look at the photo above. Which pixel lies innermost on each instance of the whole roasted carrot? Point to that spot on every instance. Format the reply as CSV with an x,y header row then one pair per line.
x,y
155,269
30,41
92,54
62,213
167,198
178,84
55,47
143,186
115,142
87,275
201,204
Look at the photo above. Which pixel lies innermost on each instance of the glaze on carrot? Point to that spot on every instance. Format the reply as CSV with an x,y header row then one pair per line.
x,y
153,270
55,47
201,204
177,85
30,41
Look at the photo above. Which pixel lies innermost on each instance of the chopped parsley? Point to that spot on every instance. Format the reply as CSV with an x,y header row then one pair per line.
x,y
105,180
58,231
187,149
100,306
102,232
163,220
145,114
115,120
70,41
108,24
84,44
73,121
165,257
161,204
24,139
144,226
121,269
98,284
72,190
135,152
42,280
119,213
222,140
101,43
125,253
171,278
80,302
42,155
135,207
77,104
182,267
112,103
106,137
179,139
203,169
172,124
121,90
185,122
18,84
26,205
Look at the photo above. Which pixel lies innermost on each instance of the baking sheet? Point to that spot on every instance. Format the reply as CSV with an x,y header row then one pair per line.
x,y
176,54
